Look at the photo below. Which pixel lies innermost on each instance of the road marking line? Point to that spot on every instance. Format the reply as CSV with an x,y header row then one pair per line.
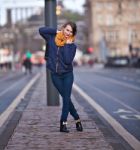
x,y
115,124
4,116
121,83
122,111
11,87
113,80
7,77
113,98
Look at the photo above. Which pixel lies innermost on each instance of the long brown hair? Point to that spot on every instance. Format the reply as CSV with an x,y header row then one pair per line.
x,y
73,26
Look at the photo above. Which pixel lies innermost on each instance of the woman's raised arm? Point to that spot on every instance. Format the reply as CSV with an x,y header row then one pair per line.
x,y
45,32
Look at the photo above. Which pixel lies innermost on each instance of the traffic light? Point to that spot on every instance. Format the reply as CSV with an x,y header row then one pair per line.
x,y
58,10
90,50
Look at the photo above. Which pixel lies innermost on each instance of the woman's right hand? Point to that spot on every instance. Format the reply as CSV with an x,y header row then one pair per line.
x,y
69,41
58,31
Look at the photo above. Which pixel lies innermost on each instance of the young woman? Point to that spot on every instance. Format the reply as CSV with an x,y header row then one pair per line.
x,y
61,52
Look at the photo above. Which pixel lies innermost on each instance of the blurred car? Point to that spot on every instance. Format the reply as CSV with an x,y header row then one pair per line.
x,y
118,61
135,62
38,58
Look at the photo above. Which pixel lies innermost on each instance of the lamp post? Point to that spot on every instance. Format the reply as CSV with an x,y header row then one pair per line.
x,y
51,21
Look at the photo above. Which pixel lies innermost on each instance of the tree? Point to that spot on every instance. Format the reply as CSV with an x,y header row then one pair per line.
x,y
70,15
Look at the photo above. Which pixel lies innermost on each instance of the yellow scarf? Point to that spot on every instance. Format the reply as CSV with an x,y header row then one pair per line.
x,y
60,39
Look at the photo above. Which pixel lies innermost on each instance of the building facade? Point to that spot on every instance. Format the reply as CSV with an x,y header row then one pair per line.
x,y
114,26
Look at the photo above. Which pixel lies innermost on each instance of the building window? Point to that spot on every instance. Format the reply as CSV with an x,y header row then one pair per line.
x,y
111,36
118,20
100,19
137,17
109,20
133,5
134,17
108,5
134,35
99,6
139,4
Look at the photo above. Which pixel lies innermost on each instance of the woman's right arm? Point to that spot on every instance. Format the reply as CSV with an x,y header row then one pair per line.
x,y
45,32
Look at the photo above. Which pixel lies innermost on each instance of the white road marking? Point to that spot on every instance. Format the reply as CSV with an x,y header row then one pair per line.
x,y
9,76
115,124
4,116
122,111
11,87
113,98
130,116
3,78
127,114
122,83
114,80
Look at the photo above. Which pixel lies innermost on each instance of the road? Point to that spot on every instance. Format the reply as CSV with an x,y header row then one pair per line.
x,y
11,84
115,94
117,91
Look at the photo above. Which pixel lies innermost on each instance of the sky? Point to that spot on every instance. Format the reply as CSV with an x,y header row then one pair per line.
x,y
75,5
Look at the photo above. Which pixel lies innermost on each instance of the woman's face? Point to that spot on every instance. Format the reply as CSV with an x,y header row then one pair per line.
x,y
68,31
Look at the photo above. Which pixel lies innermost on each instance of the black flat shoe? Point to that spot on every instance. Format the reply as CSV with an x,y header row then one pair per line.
x,y
63,127
79,126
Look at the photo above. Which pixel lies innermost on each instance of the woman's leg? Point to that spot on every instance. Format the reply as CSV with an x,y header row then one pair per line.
x,y
67,87
63,83
73,111
59,83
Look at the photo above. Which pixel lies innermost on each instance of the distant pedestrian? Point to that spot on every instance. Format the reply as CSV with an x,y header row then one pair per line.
x,y
27,65
61,52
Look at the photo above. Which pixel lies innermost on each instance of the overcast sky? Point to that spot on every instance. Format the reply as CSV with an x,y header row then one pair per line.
x,y
75,5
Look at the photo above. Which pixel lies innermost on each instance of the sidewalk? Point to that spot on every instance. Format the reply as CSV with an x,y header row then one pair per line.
x,y
38,128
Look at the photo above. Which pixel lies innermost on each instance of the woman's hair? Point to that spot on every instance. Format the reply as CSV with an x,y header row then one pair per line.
x,y
73,26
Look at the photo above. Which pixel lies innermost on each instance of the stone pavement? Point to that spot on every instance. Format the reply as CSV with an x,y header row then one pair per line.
x,y
38,128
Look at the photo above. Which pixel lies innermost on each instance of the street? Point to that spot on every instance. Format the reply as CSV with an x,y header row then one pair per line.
x,y
112,93
117,91
11,84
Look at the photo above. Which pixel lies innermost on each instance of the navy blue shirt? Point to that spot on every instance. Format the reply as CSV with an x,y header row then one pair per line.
x,y
59,58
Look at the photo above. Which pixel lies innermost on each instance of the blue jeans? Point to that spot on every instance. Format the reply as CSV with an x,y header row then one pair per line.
x,y
63,83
